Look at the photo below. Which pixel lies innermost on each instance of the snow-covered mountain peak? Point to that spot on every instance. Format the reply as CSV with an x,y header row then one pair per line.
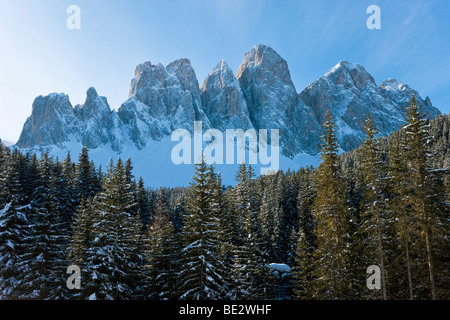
x,y
261,95
52,102
341,64
350,74
47,124
263,59
401,93
273,101
94,105
220,77
142,67
344,64
223,100
91,92
393,84
221,67
183,70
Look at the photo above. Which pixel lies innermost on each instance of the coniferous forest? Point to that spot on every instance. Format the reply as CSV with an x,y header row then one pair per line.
x,y
305,234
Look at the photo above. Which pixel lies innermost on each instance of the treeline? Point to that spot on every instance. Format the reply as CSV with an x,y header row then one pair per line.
x,y
385,204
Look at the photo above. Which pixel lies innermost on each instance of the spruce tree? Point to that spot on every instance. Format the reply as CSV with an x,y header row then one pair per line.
x,y
249,266
113,263
374,216
219,210
30,176
44,261
129,179
82,232
66,191
399,205
267,215
330,213
200,277
421,178
162,252
3,166
13,229
87,182
289,220
82,239
143,203
305,202
302,273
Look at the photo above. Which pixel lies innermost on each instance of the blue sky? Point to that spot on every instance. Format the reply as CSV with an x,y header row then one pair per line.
x,y
39,54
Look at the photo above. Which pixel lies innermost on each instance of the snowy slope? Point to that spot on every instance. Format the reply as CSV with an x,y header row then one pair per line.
x,y
154,163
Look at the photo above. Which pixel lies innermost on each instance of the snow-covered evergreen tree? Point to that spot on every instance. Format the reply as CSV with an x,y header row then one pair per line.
x,y
3,165
87,182
375,214
44,260
303,268
143,202
249,266
112,268
13,231
162,252
66,190
422,180
201,274
330,215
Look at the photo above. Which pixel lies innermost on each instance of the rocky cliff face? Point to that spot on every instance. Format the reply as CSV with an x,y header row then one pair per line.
x,y
52,121
350,93
95,115
273,101
261,96
162,99
270,93
399,94
223,100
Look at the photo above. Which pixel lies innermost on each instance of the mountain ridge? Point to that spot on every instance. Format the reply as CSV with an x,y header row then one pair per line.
x,y
260,95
